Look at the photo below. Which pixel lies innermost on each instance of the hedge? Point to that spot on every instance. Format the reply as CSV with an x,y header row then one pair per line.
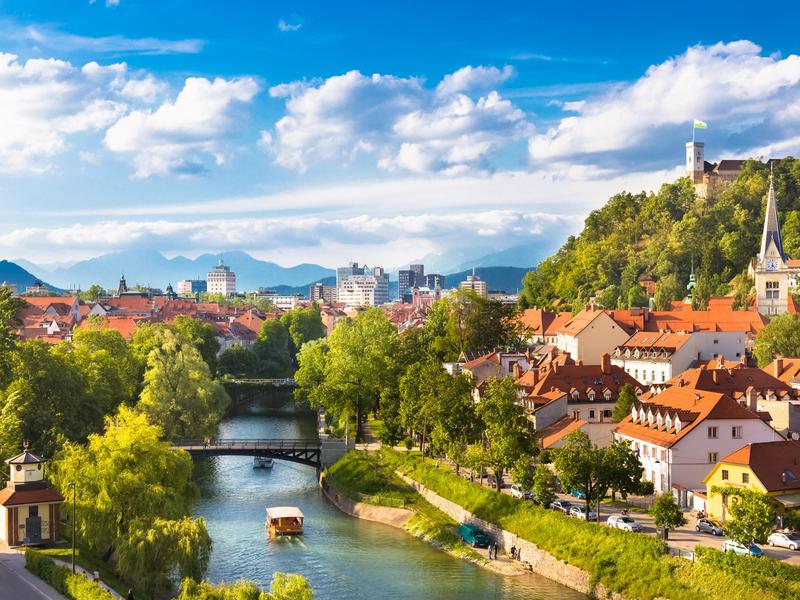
x,y
74,586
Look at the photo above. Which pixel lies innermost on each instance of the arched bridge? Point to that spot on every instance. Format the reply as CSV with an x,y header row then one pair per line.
x,y
303,451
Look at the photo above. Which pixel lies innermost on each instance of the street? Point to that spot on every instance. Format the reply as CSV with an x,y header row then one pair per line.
x,y
16,583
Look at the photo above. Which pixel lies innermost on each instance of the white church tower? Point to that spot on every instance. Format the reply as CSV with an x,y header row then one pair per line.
x,y
772,273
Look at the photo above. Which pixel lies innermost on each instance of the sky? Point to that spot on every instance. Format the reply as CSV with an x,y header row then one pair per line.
x,y
382,132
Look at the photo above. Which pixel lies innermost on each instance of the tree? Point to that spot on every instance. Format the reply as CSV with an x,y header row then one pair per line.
x,y
93,293
238,362
625,400
272,350
594,471
282,587
505,428
742,291
668,289
753,514
9,322
134,495
544,486
303,325
781,336
609,297
523,472
179,393
637,297
201,335
666,513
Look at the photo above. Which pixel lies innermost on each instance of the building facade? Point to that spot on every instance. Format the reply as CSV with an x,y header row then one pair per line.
x,y
221,280
474,283
369,289
190,287
322,293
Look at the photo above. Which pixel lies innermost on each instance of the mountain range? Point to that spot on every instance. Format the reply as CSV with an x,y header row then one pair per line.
x,y
15,274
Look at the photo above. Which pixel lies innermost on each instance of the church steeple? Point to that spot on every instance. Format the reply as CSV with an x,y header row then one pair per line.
x,y
772,229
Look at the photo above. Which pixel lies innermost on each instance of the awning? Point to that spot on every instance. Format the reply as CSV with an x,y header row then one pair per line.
x,y
789,500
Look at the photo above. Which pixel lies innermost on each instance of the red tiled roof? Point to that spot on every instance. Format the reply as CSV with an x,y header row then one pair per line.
x,y
9,497
776,464
582,378
733,382
537,320
790,369
491,356
126,325
652,340
559,430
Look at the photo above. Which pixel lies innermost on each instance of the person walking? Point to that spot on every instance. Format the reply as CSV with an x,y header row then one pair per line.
x,y
490,551
130,594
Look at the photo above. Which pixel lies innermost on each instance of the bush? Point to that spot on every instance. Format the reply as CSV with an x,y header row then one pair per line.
x,y
61,579
780,578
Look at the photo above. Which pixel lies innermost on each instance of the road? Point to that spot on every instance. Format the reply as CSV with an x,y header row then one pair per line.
x,y
16,583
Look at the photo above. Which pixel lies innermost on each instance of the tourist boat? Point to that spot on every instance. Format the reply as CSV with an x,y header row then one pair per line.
x,y
284,520
262,462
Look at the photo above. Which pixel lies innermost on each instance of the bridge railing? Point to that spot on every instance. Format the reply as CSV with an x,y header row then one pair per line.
x,y
276,444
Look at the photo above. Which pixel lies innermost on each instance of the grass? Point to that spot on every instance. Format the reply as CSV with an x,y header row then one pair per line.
x,y
634,565
90,562
370,473
620,504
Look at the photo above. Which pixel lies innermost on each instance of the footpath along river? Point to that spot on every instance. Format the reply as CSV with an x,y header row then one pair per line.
x,y
343,557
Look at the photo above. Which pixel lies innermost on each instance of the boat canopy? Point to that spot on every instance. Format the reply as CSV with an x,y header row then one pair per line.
x,y
283,512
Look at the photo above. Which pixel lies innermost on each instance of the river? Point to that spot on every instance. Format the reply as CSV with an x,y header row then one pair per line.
x,y
342,557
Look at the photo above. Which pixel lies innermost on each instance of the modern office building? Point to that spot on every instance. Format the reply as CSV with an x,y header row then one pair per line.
x,y
343,273
433,281
190,287
475,284
221,280
322,293
368,289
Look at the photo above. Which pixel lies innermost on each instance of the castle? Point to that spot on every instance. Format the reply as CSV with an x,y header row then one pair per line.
x,y
709,177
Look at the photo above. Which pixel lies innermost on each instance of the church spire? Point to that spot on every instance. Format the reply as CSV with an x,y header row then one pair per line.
x,y
772,229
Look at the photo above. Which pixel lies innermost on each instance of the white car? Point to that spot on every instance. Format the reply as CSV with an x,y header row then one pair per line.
x,y
784,540
579,512
623,522
516,491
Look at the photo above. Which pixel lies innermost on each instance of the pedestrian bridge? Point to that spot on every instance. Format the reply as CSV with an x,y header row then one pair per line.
x,y
284,382
312,452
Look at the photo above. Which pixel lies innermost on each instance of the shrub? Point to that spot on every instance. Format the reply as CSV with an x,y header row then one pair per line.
x,y
61,579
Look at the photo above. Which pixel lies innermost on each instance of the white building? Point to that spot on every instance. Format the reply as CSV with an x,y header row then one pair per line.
x,y
656,357
475,284
681,433
285,302
221,280
190,287
370,289
590,334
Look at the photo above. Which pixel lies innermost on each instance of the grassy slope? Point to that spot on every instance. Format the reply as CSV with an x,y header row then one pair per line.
x,y
634,565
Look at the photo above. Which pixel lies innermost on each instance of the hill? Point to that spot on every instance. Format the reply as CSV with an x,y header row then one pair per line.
x,y
12,273
664,235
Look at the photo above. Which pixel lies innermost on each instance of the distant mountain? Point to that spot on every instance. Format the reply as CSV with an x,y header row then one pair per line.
x,y
13,273
499,279
151,268
524,256
287,290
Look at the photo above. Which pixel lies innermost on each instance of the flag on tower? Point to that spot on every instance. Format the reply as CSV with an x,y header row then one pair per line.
x,y
698,124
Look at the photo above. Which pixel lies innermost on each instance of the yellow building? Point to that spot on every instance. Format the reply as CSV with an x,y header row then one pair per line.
x,y
29,508
772,468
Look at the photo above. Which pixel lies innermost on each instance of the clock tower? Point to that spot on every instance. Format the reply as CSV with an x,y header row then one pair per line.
x,y
772,273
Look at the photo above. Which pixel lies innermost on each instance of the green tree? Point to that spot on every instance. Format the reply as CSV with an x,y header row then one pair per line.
x,y
282,587
179,393
637,297
609,297
752,514
780,337
742,291
133,496
201,335
544,486
272,349
9,322
668,288
625,399
523,472
505,429
666,513
237,362
93,293
790,233
304,325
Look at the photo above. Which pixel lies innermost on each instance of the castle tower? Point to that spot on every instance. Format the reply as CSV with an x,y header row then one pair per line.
x,y
771,270
695,161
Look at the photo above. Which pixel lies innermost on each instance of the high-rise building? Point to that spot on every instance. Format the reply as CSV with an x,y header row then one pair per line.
x,y
405,281
343,273
190,287
322,293
419,272
368,289
221,280
475,284
434,280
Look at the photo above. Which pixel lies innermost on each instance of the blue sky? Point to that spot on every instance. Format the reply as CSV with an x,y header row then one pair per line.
x,y
385,133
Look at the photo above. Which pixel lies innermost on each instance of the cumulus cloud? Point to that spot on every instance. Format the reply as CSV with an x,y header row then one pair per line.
x,y
397,121
179,136
43,101
287,26
745,96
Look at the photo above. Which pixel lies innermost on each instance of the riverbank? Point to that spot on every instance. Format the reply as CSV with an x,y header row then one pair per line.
x,y
361,473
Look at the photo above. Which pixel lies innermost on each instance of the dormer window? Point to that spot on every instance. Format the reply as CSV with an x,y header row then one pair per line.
x,y
634,414
607,394
575,395
669,422
678,424
659,420
591,394
650,417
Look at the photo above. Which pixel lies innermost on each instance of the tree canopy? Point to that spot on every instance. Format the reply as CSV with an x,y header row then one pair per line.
x,y
781,336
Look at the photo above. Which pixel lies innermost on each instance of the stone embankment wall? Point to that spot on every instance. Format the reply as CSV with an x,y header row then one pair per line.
x,y
541,562
396,517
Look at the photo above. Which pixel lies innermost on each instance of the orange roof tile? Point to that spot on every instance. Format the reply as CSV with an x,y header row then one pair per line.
x,y
582,378
776,464
733,382
536,320
559,430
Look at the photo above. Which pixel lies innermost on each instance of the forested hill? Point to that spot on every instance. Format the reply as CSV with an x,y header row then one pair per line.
x,y
661,234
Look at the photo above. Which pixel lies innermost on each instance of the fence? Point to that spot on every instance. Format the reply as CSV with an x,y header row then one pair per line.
x,y
687,554
382,500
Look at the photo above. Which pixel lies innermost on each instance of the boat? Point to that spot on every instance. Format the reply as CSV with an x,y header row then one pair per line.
x,y
284,520
262,462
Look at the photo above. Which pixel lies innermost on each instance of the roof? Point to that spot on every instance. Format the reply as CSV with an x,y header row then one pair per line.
x,y
559,430
11,497
283,512
656,341
776,464
125,325
790,369
581,321
728,164
556,324
582,378
537,320
689,406
25,458
719,317
734,382
490,357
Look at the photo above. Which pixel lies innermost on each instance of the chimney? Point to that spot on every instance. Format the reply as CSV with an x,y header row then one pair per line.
x,y
579,362
517,371
752,398
715,376
555,367
605,363
778,366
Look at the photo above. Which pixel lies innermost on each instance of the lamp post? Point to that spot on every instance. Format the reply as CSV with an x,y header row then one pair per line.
x,y
72,485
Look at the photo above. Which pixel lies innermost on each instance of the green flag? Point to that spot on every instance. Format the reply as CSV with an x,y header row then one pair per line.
x,y
698,124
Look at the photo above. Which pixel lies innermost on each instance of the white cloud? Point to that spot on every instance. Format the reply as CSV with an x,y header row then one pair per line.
x,y
178,136
148,89
43,101
287,26
398,121
53,39
742,94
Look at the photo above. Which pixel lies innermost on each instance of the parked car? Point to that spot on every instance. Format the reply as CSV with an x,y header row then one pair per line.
x,y
579,512
784,540
562,505
709,526
577,494
473,536
516,491
623,522
743,549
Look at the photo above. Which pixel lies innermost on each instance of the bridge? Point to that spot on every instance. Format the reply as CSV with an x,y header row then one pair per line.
x,y
304,451
284,382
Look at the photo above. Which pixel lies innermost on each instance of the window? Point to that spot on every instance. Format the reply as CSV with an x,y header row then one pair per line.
x,y
663,377
736,432
773,292
33,511
663,455
591,414
607,413
712,432
745,477
712,458
716,341
724,474
636,373
652,375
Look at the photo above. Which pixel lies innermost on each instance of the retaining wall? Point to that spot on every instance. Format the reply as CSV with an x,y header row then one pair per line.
x,y
396,517
541,562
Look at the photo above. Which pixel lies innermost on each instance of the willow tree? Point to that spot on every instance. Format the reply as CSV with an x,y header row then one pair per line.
x,y
134,496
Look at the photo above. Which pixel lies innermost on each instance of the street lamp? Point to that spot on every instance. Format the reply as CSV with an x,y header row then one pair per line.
x,y
72,485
